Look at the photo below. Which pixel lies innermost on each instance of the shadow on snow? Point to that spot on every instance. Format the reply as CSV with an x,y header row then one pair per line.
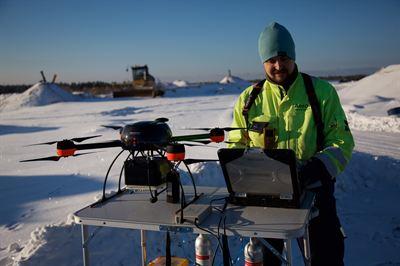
x,y
17,192
9,129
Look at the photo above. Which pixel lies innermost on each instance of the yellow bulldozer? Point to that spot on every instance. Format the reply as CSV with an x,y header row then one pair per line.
x,y
143,84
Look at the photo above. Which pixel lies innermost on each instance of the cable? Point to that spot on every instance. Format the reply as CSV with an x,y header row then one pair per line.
x,y
219,244
191,177
217,199
226,246
153,199
219,225
108,172
120,177
183,198
227,259
205,230
215,253
177,165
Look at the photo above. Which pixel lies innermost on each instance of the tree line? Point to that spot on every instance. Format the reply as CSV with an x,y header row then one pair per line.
x,y
92,87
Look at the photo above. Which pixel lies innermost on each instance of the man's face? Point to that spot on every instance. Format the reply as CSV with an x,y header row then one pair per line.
x,y
279,68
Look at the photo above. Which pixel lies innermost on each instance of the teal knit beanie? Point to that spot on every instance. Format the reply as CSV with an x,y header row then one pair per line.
x,y
275,40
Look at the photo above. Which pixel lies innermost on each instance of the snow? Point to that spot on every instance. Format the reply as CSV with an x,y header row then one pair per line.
x,y
36,226
374,94
232,79
368,100
41,93
180,83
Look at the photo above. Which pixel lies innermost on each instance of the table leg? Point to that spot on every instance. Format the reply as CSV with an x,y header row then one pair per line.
x,y
143,246
284,259
288,250
306,245
85,244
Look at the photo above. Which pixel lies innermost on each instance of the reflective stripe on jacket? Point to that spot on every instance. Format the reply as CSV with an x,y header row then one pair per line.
x,y
289,117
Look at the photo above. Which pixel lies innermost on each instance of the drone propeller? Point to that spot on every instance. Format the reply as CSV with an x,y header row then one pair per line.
x,y
232,142
73,139
205,142
199,145
192,144
52,158
211,128
162,119
113,127
192,161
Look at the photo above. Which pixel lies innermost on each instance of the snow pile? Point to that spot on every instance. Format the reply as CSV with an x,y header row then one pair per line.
x,y
374,94
180,83
232,79
37,95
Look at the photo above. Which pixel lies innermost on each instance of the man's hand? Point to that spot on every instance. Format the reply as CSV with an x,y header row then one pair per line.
x,y
313,174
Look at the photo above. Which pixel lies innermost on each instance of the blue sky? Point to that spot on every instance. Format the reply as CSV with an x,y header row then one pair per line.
x,y
192,40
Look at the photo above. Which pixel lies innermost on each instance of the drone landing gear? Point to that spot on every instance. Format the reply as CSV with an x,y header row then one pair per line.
x,y
156,174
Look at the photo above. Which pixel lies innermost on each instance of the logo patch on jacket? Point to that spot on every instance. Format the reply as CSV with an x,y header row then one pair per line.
x,y
301,106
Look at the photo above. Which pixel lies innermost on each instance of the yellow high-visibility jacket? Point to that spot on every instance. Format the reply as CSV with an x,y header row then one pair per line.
x,y
290,118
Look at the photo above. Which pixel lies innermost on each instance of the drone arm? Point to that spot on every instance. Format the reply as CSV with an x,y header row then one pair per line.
x,y
99,145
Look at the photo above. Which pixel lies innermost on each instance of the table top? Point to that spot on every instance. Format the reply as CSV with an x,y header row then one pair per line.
x,y
135,211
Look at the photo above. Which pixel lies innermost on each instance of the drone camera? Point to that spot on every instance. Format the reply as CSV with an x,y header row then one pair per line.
x,y
144,171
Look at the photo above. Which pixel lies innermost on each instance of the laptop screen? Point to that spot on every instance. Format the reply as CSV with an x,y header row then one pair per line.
x,y
257,172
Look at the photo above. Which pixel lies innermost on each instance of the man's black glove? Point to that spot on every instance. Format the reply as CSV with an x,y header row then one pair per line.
x,y
313,174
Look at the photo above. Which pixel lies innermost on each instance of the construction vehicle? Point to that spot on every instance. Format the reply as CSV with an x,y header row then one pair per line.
x,y
143,84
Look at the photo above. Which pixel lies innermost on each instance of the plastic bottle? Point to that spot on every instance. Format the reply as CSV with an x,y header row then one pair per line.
x,y
203,250
253,255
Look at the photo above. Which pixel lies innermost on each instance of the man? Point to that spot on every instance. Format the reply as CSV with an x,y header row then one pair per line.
x,y
281,116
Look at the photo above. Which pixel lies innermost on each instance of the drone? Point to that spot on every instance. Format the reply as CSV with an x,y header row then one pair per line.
x,y
154,156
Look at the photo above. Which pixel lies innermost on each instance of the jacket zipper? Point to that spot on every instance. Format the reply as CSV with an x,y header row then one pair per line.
x,y
282,94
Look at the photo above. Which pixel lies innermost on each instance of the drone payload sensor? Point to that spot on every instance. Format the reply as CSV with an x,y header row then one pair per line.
x,y
143,172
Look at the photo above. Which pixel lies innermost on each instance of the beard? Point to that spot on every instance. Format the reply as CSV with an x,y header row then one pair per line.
x,y
281,71
279,76
283,75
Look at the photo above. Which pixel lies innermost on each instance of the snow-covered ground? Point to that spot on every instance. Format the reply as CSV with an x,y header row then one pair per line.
x,y
38,198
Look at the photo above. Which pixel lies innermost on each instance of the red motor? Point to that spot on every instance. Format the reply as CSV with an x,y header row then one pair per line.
x,y
176,152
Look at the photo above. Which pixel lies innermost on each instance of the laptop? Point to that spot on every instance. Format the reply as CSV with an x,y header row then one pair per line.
x,y
258,177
